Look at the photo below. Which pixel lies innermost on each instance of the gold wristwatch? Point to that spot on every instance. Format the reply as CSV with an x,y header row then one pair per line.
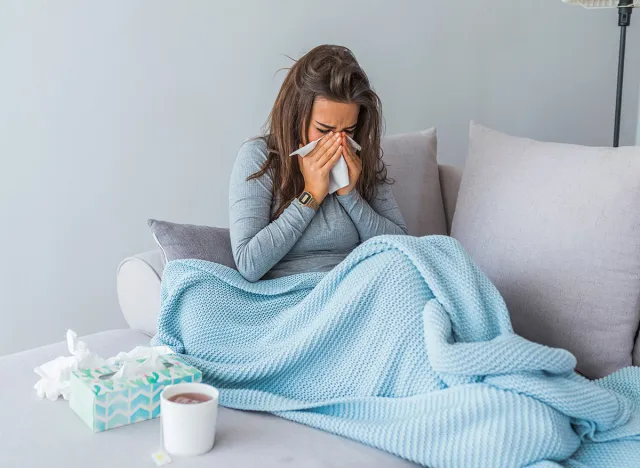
x,y
306,199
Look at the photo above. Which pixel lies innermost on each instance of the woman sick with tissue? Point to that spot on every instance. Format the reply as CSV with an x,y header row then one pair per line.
x,y
314,187
404,345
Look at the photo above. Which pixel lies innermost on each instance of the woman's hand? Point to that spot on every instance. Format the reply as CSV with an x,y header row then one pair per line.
x,y
316,165
354,163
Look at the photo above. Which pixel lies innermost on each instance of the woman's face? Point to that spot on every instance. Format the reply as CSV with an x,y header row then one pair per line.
x,y
329,116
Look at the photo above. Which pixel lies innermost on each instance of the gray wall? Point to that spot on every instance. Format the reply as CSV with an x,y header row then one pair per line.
x,y
113,112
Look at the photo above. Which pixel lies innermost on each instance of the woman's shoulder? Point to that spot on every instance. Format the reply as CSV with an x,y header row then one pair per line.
x,y
254,149
251,158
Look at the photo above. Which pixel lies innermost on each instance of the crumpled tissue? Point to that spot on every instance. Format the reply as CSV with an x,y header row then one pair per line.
x,y
55,375
130,361
339,176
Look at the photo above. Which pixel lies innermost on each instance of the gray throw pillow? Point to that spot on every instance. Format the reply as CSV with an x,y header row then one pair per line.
x,y
181,241
411,160
556,227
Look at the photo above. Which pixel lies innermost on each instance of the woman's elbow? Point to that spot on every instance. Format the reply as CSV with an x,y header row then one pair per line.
x,y
397,229
250,276
248,270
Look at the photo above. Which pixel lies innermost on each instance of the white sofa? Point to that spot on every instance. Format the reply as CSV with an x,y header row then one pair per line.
x,y
37,433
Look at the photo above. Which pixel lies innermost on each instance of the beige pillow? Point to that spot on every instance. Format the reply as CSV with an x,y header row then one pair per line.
x,y
412,161
556,227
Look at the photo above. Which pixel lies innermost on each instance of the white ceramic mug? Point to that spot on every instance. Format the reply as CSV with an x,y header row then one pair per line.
x,y
188,429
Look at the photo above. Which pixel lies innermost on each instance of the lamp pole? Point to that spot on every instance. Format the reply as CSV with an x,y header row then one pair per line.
x,y
624,20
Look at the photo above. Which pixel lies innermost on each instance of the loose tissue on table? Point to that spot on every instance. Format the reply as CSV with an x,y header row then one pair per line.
x,y
55,376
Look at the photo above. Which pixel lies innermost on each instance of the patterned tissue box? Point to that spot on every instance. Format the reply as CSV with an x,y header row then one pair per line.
x,y
103,402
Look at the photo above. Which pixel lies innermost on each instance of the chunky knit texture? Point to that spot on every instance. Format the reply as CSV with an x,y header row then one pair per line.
x,y
405,346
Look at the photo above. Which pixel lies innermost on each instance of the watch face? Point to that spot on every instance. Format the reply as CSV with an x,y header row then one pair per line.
x,y
305,198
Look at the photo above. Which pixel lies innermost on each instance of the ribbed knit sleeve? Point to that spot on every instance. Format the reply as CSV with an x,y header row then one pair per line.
x,y
381,216
257,243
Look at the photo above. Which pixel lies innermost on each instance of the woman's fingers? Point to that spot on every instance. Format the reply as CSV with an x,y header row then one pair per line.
x,y
325,144
351,154
330,153
347,149
333,158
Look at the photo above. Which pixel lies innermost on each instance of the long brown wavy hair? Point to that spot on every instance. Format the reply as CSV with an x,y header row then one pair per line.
x,y
331,72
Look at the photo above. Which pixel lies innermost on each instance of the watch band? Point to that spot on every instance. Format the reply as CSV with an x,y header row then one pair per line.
x,y
306,199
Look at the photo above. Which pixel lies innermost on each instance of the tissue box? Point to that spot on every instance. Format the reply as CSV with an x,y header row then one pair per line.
x,y
103,402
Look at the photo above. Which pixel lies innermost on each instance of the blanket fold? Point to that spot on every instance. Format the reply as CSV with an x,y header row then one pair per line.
x,y
405,346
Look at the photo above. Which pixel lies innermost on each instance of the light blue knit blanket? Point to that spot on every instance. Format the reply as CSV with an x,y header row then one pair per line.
x,y
405,346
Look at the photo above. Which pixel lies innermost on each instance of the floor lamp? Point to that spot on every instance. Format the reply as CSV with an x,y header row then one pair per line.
x,y
625,8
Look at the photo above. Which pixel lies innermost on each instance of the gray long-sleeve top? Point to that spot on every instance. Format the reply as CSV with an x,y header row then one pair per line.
x,y
300,239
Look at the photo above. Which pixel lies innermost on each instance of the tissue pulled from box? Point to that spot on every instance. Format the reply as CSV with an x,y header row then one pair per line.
x,y
140,360
55,375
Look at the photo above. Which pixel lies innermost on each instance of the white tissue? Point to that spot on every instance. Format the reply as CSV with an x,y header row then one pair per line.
x,y
129,361
339,176
55,376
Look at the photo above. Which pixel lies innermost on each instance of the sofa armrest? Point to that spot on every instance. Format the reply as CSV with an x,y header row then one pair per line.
x,y
450,177
138,284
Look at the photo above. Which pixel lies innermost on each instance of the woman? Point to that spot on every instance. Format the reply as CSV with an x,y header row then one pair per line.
x,y
283,220
406,345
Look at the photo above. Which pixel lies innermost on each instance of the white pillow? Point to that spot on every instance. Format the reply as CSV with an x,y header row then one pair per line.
x,y
556,227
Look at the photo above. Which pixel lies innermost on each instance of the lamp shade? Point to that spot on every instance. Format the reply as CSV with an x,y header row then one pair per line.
x,y
601,3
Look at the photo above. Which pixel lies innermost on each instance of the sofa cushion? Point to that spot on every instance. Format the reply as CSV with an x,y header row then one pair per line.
x,y
180,241
36,433
556,227
412,161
